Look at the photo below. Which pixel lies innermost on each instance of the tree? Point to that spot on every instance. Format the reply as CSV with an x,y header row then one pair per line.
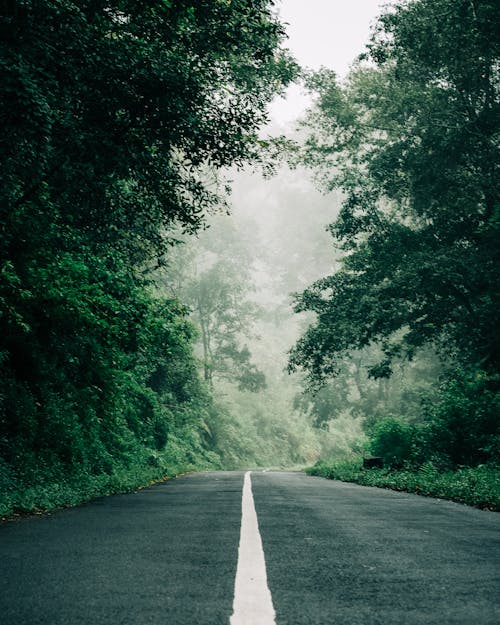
x,y
213,278
116,117
411,139
112,113
360,391
223,314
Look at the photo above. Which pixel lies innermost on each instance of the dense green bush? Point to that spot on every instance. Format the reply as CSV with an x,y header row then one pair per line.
x,y
463,427
460,426
110,391
452,453
477,486
393,440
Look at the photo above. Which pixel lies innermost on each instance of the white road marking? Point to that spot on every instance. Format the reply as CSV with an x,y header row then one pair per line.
x,y
252,604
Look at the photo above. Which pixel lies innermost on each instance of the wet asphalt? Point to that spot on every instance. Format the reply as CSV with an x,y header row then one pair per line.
x,y
336,553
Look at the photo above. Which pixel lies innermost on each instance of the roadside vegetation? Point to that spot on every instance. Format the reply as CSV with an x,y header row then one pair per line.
x,y
40,489
449,453
145,333
405,331
475,486
117,119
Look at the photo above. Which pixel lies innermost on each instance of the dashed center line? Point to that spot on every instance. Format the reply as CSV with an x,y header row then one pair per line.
x,y
253,604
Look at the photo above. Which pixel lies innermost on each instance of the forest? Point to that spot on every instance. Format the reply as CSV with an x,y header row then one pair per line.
x,y
184,287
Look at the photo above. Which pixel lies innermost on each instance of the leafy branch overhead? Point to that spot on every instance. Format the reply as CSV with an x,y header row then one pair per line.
x,y
123,102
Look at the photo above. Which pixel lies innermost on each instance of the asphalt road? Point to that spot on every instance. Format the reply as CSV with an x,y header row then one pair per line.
x,y
335,553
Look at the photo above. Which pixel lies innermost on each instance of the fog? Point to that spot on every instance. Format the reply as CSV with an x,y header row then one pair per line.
x,y
322,33
175,297
239,277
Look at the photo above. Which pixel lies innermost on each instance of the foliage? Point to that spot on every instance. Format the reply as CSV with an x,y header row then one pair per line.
x,y
231,274
463,426
411,138
391,440
356,391
412,142
213,276
116,118
452,453
44,488
111,108
478,486
218,298
261,430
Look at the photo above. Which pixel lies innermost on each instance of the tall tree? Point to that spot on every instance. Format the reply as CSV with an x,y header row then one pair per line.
x,y
411,138
116,116
110,109
212,275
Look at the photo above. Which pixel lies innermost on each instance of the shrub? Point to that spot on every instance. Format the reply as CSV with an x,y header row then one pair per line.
x,y
463,428
392,440
475,486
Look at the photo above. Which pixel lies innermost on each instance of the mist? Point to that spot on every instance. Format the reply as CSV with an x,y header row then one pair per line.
x,y
250,263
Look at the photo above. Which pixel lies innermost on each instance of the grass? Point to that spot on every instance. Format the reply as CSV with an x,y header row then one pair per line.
x,y
42,491
474,486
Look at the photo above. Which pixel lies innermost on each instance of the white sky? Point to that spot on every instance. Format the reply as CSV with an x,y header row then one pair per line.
x,y
322,32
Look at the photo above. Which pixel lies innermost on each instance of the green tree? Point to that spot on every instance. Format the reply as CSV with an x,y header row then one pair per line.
x,y
362,393
213,277
112,113
116,118
412,140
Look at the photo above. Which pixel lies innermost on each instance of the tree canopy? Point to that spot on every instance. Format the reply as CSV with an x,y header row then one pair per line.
x,y
116,118
114,111
411,138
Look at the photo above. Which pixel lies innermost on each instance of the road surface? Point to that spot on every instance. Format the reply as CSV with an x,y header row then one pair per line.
x,y
319,552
